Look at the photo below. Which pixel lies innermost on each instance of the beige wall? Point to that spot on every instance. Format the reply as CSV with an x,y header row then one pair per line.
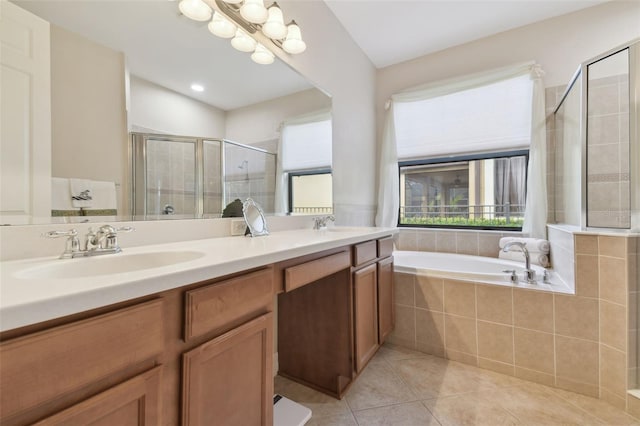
x,y
88,131
156,109
335,63
261,122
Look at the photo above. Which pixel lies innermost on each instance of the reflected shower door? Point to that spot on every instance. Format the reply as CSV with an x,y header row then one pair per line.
x,y
170,177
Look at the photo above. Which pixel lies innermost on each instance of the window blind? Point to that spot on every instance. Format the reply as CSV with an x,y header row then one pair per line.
x,y
306,145
492,117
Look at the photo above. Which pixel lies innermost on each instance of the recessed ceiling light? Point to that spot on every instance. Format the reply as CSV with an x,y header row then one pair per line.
x,y
197,87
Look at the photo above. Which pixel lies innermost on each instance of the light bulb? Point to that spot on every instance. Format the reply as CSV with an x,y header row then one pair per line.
x,y
294,44
221,26
243,42
275,28
262,55
254,11
195,9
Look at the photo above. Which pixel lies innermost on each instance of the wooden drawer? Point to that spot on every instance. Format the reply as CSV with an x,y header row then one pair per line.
x,y
226,304
42,366
385,247
364,252
305,273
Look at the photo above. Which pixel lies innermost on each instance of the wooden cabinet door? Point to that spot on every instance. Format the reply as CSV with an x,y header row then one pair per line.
x,y
386,306
365,296
132,403
229,380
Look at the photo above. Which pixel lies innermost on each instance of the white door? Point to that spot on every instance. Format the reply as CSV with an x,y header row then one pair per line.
x,y
25,117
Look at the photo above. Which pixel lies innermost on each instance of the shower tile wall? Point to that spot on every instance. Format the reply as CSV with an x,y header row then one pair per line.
x,y
170,177
250,173
608,152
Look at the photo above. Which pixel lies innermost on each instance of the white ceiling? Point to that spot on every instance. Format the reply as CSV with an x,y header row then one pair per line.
x,y
393,31
170,50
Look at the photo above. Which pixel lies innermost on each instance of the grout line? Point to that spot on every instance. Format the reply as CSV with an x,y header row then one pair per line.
x,y
555,354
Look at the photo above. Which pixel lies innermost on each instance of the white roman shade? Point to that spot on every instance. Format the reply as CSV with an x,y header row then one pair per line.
x,y
489,118
307,145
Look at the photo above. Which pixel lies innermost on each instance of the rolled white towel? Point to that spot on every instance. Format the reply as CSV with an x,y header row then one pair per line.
x,y
532,244
536,258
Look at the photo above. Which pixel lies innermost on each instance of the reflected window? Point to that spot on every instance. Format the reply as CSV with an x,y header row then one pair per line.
x,y
310,192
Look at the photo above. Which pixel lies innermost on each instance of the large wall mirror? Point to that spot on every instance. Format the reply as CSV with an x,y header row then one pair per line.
x,y
123,71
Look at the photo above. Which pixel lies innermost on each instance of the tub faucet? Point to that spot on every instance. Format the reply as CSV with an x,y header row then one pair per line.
x,y
529,274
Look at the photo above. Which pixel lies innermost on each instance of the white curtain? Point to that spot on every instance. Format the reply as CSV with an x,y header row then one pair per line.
x,y
388,185
388,195
535,214
304,143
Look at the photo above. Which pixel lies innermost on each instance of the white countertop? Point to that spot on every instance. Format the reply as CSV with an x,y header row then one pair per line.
x,y
25,300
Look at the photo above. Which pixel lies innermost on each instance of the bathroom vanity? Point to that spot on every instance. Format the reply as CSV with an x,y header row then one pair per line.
x,y
192,343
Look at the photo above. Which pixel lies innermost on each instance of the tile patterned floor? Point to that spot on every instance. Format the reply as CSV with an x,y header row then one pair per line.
x,y
401,387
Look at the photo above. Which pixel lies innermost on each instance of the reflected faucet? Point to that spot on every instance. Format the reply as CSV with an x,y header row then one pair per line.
x,y
529,274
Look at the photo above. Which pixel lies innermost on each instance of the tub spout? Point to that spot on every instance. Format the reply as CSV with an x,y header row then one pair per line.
x,y
529,274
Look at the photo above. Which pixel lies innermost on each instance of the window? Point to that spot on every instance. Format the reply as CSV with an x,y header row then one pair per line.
x,y
304,182
463,155
311,192
481,191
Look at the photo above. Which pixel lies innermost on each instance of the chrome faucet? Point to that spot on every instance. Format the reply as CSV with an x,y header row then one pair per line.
x,y
104,241
529,274
320,222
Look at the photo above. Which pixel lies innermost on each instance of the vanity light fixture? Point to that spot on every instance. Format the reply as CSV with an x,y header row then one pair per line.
x,y
197,10
243,41
240,19
221,26
254,11
262,55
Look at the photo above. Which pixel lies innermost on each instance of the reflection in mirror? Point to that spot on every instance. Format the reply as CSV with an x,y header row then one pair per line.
x,y
127,66
608,191
254,217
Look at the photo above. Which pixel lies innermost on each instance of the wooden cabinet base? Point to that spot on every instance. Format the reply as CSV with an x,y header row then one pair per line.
x,y
229,380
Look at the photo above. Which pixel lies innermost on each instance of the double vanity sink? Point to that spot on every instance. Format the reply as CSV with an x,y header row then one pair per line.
x,y
184,333
35,290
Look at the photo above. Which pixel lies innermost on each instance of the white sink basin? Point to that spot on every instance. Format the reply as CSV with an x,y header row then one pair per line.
x,y
107,264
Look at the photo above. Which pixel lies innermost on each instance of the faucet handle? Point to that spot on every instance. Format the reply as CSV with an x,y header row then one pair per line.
x,y
72,244
513,277
57,234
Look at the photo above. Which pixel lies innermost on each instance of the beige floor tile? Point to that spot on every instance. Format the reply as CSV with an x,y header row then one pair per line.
x,y
433,377
321,405
469,409
335,420
536,405
408,414
597,408
449,393
390,352
378,385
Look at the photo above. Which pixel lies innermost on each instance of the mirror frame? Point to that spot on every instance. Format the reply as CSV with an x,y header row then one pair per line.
x,y
250,207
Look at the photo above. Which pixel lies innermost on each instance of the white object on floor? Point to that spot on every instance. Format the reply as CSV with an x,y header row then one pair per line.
x,y
289,413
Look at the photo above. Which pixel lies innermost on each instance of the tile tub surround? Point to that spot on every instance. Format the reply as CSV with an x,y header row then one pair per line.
x,y
583,343
477,243
406,387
